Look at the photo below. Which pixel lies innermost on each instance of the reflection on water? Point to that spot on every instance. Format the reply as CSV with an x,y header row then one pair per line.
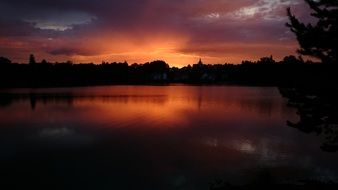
x,y
154,137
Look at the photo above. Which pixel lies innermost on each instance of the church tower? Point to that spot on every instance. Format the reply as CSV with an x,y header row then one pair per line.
x,y
200,62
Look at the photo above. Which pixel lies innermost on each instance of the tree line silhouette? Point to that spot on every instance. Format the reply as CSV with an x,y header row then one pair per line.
x,y
289,72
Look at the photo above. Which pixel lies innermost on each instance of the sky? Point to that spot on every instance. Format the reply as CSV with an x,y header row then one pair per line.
x,y
137,31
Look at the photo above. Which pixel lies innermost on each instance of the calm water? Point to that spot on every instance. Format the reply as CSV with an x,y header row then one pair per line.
x,y
154,137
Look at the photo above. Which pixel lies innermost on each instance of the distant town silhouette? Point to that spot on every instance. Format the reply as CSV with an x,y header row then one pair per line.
x,y
289,72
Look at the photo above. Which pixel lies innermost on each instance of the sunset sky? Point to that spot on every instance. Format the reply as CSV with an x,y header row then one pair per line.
x,y
177,31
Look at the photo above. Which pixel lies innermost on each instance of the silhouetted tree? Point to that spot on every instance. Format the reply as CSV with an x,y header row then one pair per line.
x,y
266,60
246,62
157,66
292,60
316,100
44,61
5,61
319,40
32,59
317,113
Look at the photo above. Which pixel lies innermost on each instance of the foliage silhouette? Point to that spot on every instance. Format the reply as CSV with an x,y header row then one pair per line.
x,y
319,40
318,112
317,107
5,61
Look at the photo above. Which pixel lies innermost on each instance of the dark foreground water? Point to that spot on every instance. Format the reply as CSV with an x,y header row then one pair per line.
x,y
154,137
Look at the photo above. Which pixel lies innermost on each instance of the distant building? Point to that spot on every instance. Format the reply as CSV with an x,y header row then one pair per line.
x,y
200,62
32,59
199,65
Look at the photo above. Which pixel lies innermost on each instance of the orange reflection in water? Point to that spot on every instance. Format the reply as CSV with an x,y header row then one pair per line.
x,y
163,132
156,106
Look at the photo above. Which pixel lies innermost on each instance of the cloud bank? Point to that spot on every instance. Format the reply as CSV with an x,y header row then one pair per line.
x,y
178,31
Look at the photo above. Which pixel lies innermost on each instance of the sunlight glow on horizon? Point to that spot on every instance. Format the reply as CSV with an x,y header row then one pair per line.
x,y
179,33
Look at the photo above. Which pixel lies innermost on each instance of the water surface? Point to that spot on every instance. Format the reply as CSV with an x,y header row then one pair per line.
x,y
154,137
